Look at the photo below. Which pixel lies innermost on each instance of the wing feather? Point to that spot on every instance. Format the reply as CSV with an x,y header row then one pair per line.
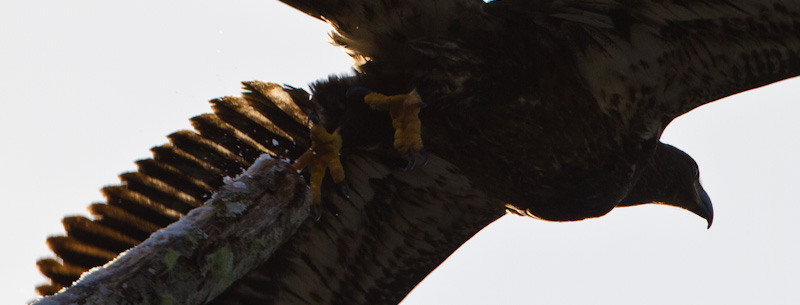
x,y
655,60
381,29
397,227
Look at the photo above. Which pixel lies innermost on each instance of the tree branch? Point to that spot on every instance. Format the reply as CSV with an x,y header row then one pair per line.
x,y
196,258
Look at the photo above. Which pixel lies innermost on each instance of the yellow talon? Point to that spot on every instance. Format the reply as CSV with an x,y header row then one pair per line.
x,y
323,154
404,111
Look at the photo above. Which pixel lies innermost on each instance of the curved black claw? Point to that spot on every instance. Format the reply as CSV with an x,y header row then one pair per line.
x,y
412,161
357,89
344,189
316,212
424,154
313,117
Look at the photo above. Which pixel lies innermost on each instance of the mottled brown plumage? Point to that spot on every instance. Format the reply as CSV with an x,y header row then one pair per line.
x,y
392,217
553,107
556,107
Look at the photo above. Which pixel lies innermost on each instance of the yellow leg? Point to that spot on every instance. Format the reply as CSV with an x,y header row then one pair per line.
x,y
336,170
323,154
303,161
404,111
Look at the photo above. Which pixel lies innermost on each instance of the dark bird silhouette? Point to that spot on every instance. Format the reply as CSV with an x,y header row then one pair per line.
x,y
551,109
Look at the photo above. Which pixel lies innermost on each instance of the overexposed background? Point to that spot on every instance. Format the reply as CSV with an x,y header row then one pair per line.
x,y
87,87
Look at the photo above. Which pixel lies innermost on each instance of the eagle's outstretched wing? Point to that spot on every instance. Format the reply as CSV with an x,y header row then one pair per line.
x,y
651,61
370,29
374,248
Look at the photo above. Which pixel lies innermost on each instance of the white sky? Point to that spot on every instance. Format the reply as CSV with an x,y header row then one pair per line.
x,y
87,87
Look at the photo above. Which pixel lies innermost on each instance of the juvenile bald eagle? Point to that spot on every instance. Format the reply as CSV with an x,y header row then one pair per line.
x,y
552,109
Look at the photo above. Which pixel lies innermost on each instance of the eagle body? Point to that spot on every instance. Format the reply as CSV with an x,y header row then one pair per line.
x,y
550,109
520,120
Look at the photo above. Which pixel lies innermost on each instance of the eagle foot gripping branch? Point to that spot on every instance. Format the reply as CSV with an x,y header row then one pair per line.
x,y
324,151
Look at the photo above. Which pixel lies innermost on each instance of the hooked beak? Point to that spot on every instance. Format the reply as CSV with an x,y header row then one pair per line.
x,y
704,208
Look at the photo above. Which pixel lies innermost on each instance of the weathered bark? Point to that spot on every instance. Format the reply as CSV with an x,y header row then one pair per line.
x,y
197,258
